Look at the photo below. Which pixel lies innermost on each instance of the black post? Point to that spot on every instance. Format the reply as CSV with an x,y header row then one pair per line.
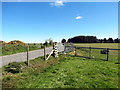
x,y
107,53
89,52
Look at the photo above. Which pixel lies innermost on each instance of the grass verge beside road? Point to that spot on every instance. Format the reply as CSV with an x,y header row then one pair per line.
x,y
65,72
13,49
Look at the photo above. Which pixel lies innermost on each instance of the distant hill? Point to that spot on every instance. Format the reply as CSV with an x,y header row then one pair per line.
x,y
16,42
2,42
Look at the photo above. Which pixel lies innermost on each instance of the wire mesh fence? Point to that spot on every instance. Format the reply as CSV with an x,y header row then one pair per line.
x,y
93,53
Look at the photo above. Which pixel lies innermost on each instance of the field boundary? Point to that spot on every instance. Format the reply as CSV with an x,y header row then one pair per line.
x,y
105,51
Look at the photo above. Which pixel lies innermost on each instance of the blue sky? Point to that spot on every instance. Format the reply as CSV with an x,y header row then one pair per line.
x,y
36,22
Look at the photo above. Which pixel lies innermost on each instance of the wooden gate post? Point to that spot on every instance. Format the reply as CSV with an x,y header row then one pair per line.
x,y
27,55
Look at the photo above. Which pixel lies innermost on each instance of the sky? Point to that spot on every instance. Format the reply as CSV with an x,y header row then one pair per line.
x,y
36,22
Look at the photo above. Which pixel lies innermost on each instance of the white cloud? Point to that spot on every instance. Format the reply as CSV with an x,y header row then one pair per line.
x,y
78,17
57,3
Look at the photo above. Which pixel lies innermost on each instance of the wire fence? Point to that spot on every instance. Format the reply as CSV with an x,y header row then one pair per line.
x,y
86,52
93,53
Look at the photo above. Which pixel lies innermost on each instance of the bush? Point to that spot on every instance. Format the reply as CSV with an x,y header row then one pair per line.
x,y
42,46
46,43
13,67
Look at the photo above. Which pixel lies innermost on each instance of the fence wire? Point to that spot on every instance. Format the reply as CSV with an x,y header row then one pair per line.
x,y
94,53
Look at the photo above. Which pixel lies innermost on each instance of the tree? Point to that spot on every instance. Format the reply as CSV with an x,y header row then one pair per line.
x,y
63,41
116,40
105,40
110,40
50,41
46,43
83,39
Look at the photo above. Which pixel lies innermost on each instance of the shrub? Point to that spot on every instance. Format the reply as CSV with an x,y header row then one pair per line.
x,y
13,67
46,43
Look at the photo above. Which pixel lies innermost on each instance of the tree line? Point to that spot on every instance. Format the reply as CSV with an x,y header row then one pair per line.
x,y
90,39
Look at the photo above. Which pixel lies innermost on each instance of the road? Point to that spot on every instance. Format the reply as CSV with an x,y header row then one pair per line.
x,y
21,57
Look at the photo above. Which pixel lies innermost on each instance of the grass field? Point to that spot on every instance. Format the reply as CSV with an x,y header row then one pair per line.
x,y
99,45
96,53
67,71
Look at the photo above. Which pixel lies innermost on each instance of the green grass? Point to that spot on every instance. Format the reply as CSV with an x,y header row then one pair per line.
x,y
65,72
12,49
99,45
68,71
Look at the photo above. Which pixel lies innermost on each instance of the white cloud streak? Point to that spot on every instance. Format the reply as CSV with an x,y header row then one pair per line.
x,y
57,3
78,17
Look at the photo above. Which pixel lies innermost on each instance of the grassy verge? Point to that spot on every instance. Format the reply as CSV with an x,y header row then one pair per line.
x,y
64,72
13,49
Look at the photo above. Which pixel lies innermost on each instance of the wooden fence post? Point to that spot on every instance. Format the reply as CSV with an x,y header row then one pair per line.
x,y
44,53
27,55
75,51
89,52
64,48
107,53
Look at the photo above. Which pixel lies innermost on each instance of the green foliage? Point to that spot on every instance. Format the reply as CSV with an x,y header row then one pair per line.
x,y
50,41
63,41
46,43
11,49
13,67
